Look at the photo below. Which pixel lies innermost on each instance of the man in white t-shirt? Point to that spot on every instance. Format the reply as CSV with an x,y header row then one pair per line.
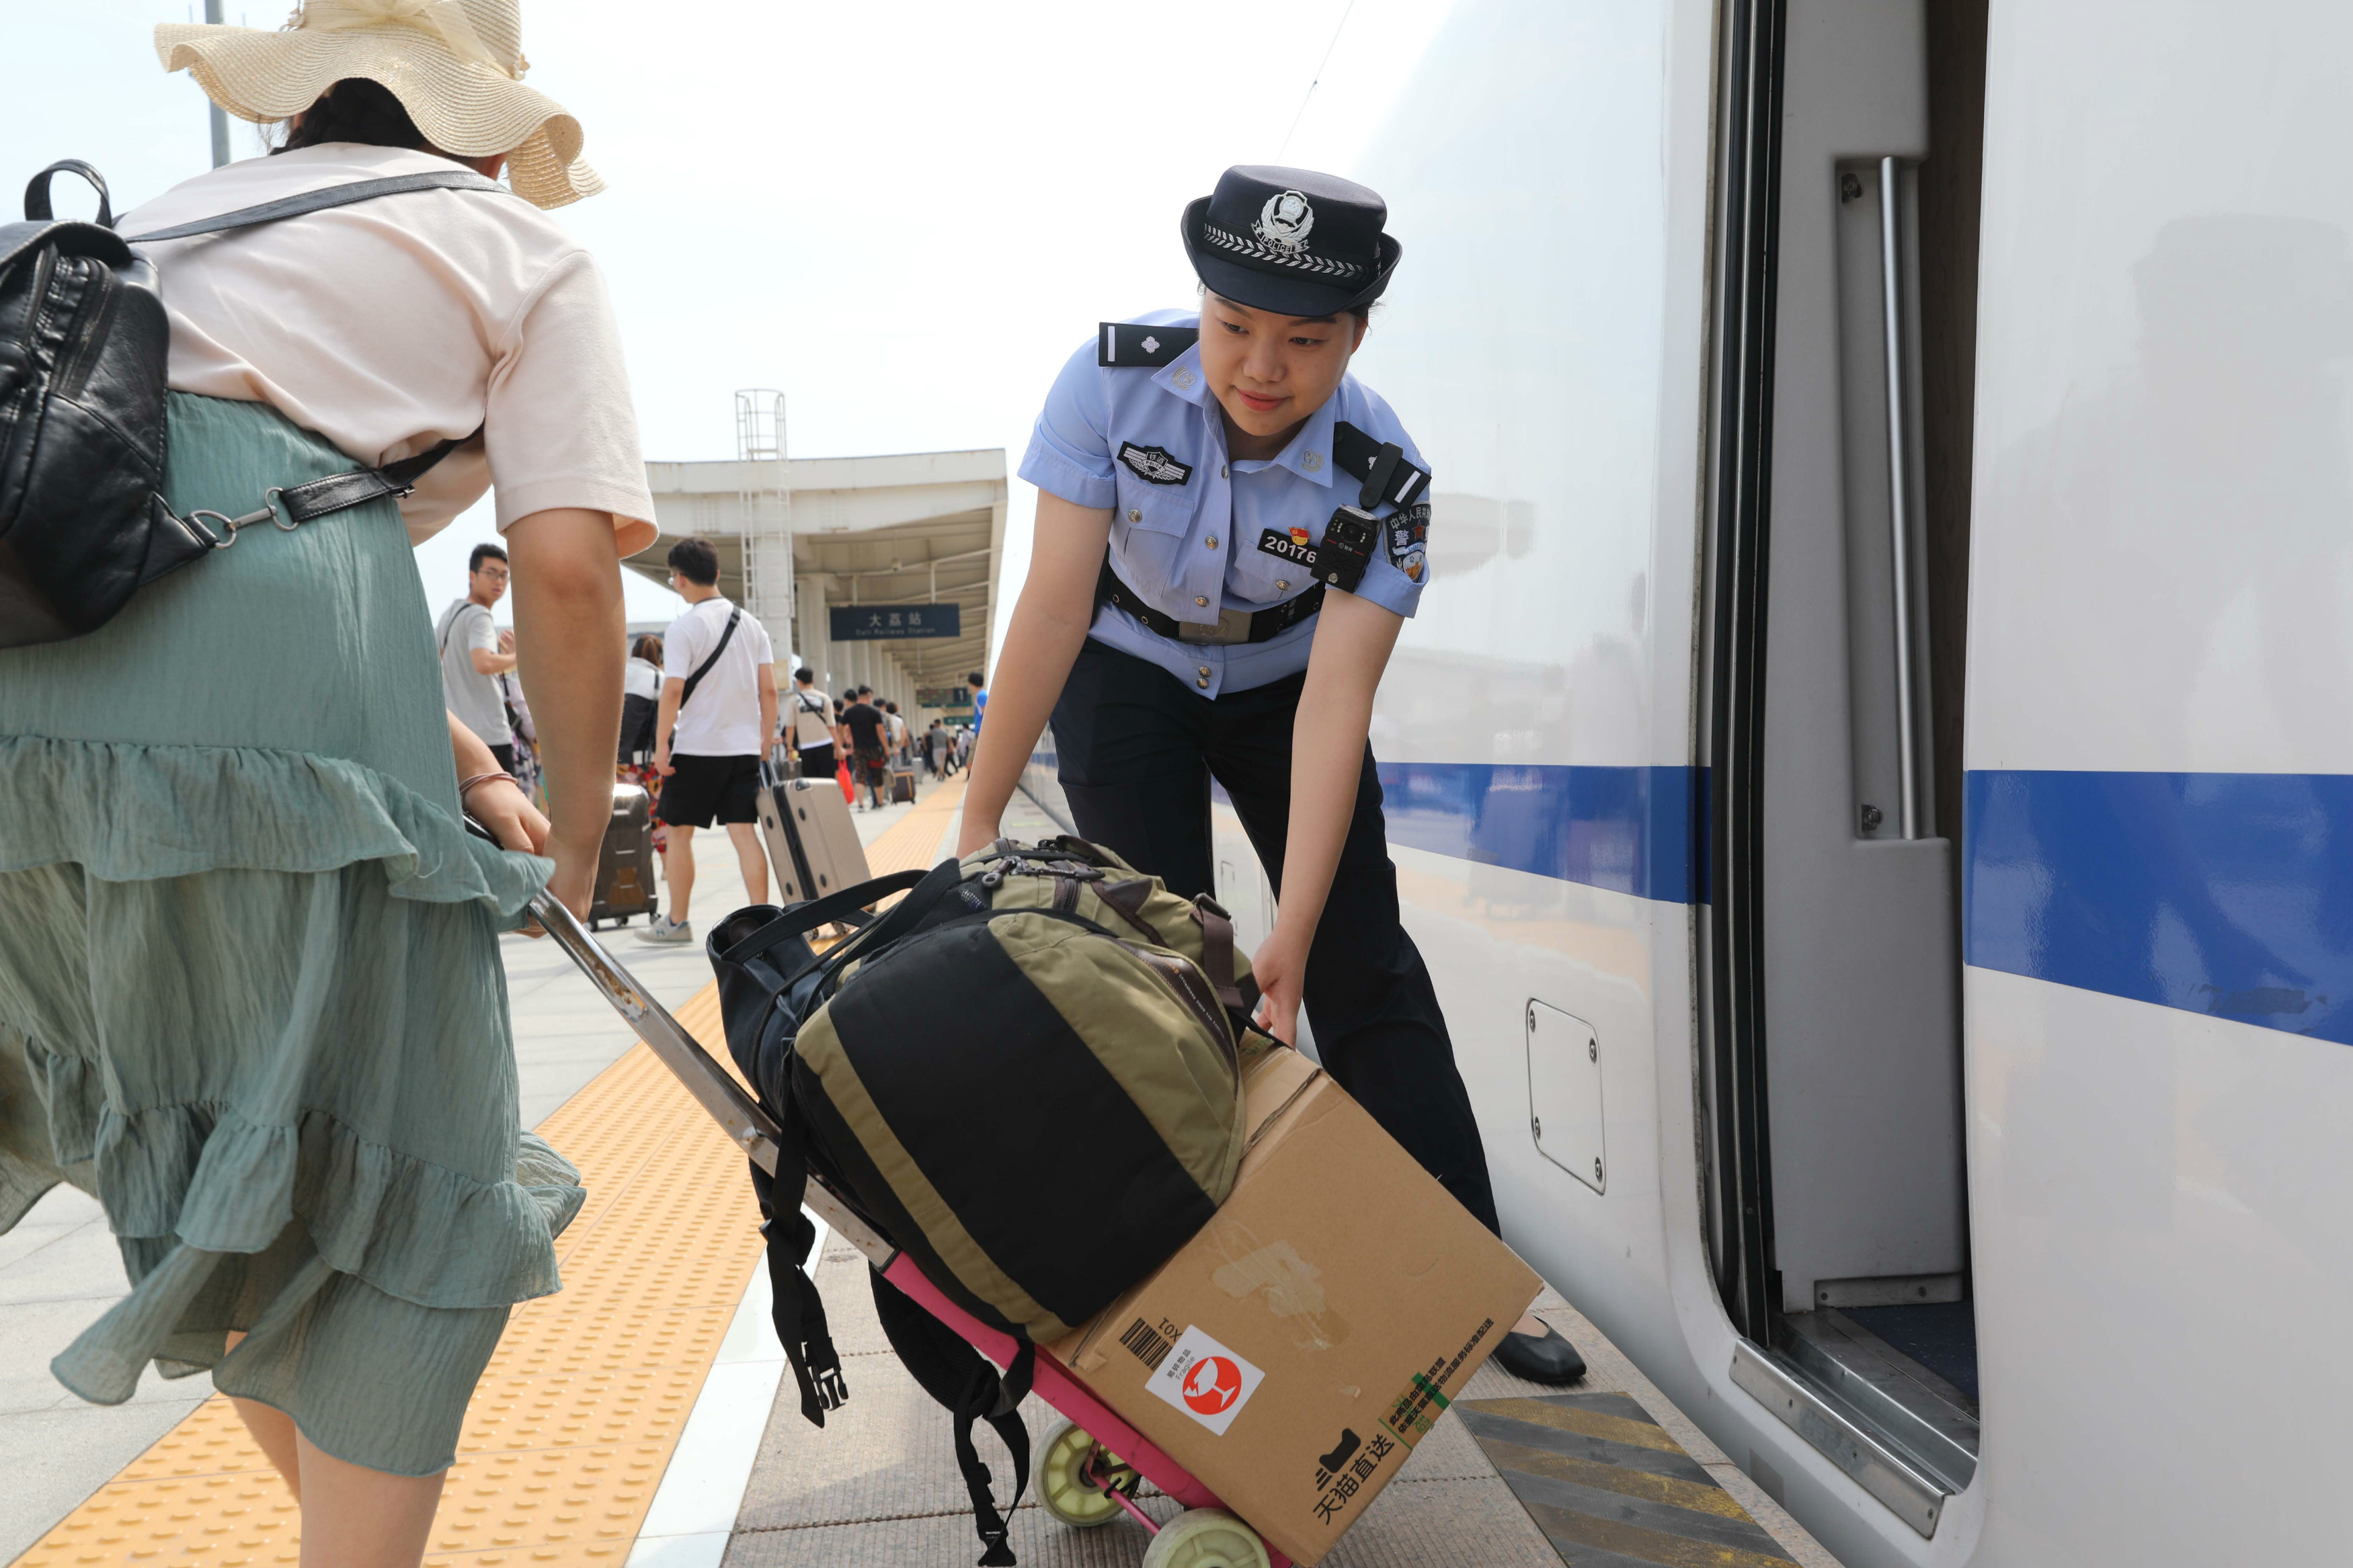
x,y
809,714
709,742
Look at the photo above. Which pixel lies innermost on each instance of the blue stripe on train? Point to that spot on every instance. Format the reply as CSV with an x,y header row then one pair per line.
x,y
1630,829
2229,894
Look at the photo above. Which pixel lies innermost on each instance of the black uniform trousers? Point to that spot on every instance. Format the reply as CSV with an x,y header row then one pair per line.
x,y
1137,752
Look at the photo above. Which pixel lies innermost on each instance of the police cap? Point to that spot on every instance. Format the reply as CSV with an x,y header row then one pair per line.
x,y
1291,241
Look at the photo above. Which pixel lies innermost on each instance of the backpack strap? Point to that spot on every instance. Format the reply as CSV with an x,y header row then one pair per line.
x,y
734,616
1217,949
970,1387
797,1310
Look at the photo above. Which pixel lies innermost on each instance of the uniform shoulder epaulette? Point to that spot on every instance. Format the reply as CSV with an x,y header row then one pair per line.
x,y
1131,345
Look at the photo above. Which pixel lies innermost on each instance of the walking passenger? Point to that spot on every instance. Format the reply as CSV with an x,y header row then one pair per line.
x,y
1229,535
251,944
641,682
718,709
867,730
475,653
809,720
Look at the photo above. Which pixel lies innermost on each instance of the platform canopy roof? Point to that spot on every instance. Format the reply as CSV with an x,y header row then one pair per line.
x,y
908,529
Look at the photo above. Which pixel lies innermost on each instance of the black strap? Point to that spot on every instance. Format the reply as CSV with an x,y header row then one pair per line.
x,y
968,1385
695,679
797,1310
837,906
1387,480
286,206
316,498
1265,626
37,193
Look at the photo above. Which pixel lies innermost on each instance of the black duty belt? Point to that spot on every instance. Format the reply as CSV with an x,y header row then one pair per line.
x,y
1230,626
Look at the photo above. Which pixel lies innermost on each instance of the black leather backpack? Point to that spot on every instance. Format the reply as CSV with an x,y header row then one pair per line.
x,y
83,348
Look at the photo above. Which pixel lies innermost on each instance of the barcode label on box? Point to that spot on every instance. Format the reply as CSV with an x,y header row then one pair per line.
x,y
1150,1346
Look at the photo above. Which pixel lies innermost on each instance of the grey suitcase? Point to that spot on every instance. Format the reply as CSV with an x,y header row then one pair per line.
x,y
902,784
811,841
625,866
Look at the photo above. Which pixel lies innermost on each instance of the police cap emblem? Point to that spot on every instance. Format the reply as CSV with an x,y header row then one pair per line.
x,y
1285,221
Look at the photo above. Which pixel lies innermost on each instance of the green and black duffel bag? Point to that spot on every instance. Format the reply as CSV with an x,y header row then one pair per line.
x,y
1027,1075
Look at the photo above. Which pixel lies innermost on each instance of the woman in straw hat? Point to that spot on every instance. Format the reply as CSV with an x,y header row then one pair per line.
x,y
252,949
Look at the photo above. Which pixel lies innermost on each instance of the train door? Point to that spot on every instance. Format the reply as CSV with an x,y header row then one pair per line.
x,y
1837,545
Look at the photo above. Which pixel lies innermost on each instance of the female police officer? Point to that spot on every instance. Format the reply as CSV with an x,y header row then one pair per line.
x,y
1229,535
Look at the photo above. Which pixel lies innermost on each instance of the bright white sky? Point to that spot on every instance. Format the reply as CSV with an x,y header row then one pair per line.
x,y
905,214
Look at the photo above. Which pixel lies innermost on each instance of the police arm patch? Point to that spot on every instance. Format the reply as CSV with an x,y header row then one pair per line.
x,y
1409,540
1153,465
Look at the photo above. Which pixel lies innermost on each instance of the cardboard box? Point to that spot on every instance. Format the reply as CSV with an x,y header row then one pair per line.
x,y
1293,1353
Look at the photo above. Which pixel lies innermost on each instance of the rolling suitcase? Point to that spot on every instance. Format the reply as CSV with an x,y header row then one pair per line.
x,y
903,786
811,841
625,866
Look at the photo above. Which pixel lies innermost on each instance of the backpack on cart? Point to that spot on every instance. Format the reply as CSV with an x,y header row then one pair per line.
x,y
1098,1073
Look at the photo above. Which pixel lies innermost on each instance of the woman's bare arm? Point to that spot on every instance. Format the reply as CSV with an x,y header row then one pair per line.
x,y
569,636
1049,621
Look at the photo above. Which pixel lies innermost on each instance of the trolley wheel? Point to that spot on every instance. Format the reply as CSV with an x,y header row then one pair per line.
x,y
1206,1538
1072,1477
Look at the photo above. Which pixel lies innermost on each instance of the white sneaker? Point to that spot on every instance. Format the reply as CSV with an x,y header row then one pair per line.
x,y
666,930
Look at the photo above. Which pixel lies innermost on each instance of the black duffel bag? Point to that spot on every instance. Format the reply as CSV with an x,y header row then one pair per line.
x,y
84,347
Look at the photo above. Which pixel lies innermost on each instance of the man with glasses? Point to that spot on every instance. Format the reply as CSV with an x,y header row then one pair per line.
x,y
475,653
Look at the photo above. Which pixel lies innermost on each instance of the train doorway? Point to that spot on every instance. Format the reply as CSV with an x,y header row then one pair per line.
x,y
1831,704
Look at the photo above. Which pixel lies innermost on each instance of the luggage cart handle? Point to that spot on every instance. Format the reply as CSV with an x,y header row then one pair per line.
x,y
751,1128
738,1112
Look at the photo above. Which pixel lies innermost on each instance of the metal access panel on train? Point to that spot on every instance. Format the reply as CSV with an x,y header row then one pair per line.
x,y
1564,1093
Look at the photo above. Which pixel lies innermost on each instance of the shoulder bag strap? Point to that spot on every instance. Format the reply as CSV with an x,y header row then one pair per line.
x,y
308,202
695,679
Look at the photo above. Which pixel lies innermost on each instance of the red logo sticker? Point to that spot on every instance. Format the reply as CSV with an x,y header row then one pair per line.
x,y
1213,1384
1299,537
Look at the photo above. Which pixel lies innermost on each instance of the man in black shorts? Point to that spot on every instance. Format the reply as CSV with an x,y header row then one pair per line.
x,y
864,720
718,711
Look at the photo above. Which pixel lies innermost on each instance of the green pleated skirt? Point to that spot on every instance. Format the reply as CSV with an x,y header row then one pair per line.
x,y
250,992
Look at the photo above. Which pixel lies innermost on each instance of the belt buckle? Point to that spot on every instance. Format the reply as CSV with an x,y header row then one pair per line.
x,y
1230,626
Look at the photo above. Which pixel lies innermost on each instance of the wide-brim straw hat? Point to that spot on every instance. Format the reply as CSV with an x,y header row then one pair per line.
x,y
457,67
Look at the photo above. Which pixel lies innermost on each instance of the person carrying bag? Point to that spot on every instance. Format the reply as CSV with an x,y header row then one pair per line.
x,y
249,953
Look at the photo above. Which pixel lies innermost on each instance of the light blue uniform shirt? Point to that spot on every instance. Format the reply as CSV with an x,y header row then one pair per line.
x,y
1190,550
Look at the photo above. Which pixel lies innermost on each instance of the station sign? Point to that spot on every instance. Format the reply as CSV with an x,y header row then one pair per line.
x,y
893,623
943,697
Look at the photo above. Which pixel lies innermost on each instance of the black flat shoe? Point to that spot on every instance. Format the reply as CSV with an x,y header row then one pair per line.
x,y
1549,1359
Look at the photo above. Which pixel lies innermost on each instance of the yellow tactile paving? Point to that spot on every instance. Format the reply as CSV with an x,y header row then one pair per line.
x,y
574,1419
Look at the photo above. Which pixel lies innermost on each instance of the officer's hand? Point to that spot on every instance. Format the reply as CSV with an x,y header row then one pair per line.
x,y
977,834
1278,968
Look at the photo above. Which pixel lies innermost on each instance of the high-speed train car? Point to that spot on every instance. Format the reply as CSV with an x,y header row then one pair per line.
x,y
1872,773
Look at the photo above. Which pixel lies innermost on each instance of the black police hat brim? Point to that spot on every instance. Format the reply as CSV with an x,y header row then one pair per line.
x,y
1262,290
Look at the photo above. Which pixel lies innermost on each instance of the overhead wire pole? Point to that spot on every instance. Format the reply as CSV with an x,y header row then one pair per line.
x,y
219,115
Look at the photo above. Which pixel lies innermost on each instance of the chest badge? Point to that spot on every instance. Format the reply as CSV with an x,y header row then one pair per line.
x,y
1153,465
1291,545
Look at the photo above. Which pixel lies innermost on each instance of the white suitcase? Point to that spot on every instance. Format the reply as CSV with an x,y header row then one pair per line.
x,y
812,842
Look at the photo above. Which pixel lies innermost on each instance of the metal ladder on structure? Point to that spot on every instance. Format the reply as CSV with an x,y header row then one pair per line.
x,y
767,511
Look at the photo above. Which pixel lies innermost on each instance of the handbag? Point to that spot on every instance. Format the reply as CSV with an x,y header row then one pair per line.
x,y
84,350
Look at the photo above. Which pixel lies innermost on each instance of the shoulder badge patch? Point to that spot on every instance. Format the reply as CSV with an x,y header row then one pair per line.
x,y
1408,536
1291,545
1153,465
